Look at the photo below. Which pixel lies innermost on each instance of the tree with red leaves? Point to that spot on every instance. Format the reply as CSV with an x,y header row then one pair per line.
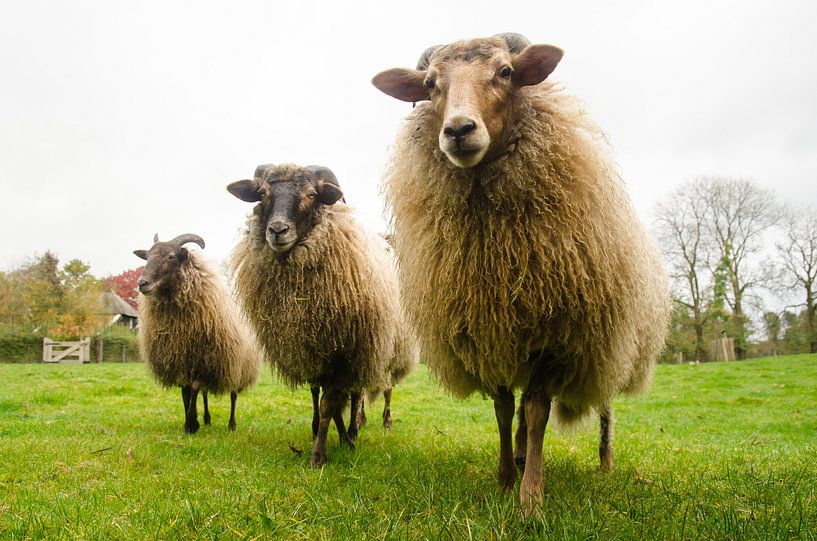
x,y
124,285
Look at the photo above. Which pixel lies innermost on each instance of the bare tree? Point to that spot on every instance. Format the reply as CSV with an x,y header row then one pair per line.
x,y
681,229
798,257
740,214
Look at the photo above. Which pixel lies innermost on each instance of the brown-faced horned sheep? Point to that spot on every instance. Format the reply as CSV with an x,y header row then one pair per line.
x,y
522,263
321,294
190,332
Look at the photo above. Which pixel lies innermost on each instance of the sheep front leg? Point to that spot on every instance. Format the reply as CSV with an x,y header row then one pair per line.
x,y
606,423
354,416
387,409
521,439
191,423
186,400
316,393
537,411
231,422
331,403
503,407
206,407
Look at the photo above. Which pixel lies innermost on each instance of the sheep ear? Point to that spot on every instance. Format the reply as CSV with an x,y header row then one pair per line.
x,y
403,84
534,64
183,253
141,253
246,190
328,193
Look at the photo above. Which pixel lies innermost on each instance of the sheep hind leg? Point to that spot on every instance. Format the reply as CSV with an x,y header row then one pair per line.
x,y
606,424
316,393
331,402
361,418
191,422
206,407
537,411
503,407
231,422
521,438
387,409
354,415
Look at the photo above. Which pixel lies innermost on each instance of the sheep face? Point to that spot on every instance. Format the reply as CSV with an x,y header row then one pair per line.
x,y
472,86
163,260
289,201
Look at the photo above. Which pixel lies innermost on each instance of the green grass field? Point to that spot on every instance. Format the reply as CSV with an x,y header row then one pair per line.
x,y
715,451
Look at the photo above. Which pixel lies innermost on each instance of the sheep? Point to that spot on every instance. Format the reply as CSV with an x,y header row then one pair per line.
x,y
190,333
321,294
522,263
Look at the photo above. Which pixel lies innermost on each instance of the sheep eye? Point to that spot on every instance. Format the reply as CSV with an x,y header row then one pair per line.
x,y
171,256
505,72
312,195
429,83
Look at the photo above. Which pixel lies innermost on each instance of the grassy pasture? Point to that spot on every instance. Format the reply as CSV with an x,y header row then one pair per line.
x,y
715,451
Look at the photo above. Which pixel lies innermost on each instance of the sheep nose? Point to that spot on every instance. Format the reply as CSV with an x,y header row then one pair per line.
x,y
458,127
278,228
142,283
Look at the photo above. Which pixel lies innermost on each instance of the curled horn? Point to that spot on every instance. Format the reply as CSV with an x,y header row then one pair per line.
x,y
188,237
325,174
155,238
422,64
516,42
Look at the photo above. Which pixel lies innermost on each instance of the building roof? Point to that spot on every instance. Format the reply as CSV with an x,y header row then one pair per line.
x,y
114,304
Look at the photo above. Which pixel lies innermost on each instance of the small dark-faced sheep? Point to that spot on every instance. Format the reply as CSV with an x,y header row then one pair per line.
x,y
321,294
522,263
190,333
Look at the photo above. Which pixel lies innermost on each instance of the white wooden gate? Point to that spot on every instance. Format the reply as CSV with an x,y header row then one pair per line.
x,y
66,352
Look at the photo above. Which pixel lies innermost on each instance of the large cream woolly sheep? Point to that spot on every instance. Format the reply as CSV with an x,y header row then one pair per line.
x,y
521,261
321,294
190,333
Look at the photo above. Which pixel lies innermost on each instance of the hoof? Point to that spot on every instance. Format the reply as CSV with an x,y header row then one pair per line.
x,y
387,420
520,463
231,426
507,482
348,440
191,427
531,506
351,435
317,461
207,420
606,457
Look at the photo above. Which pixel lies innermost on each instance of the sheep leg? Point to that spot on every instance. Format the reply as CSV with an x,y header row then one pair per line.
x,y
361,418
316,393
521,438
191,423
387,409
537,411
231,422
343,435
186,400
354,416
606,424
206,407
503,407
331,402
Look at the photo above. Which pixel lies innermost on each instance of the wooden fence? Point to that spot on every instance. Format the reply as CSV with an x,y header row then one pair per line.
x,y
66,352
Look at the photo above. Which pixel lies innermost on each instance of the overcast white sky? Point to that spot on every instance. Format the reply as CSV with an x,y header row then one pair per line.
x,y
122,119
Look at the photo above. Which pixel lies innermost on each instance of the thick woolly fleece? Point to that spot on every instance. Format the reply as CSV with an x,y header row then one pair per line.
x,y
194,333
328,312
535,258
